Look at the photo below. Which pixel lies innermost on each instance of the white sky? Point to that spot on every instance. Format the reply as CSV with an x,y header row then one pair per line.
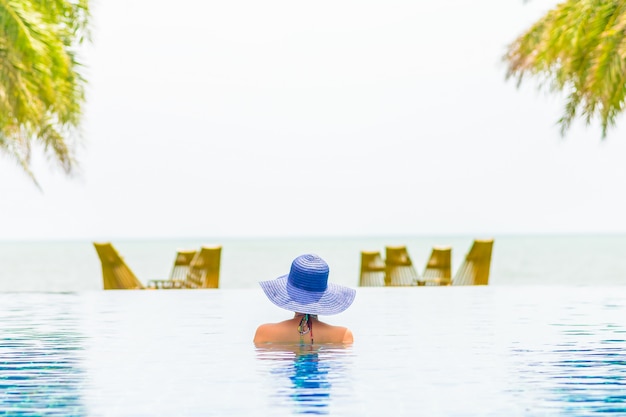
x,y
288,118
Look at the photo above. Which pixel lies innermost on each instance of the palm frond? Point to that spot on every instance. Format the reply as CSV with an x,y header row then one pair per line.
x,y
41,90
579,48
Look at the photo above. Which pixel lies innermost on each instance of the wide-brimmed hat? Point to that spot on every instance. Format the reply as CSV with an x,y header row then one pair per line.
x,y
306,288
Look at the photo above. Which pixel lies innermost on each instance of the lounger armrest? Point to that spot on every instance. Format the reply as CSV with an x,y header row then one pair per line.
x,y
164,283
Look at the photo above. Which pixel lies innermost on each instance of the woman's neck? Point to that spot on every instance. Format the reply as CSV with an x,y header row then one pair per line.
x,y
298,315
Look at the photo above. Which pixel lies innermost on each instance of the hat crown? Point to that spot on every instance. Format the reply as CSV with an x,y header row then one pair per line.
x,y
309,272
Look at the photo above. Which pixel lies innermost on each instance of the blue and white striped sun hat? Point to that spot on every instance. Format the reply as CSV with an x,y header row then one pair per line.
x,y
306,288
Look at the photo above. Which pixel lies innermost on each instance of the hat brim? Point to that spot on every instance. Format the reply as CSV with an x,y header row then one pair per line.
x,y
334,300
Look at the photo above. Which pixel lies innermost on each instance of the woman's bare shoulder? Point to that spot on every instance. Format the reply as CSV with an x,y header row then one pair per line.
x,y
347,336
270,332
263,332
339,334
343,335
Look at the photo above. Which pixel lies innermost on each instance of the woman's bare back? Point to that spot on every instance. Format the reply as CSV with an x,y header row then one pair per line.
x,y
287,332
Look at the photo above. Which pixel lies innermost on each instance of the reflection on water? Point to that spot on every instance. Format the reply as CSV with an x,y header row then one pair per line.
x,y
40,373
579,379
593,378
304,375
311,388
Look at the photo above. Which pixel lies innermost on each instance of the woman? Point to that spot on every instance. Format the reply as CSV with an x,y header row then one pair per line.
x,y
307,292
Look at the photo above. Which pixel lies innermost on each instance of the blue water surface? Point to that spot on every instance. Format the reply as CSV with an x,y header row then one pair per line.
x,y
440,351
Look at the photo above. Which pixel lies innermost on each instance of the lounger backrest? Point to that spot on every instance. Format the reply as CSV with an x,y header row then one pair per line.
x,y
204,271
372,269
399,267
116,275
476,267
438,270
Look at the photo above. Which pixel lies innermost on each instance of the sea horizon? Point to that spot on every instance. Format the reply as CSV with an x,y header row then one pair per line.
x,y
73,265
320,236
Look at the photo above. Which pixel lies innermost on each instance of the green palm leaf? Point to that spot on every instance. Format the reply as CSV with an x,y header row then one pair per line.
x,y
41,91
578,48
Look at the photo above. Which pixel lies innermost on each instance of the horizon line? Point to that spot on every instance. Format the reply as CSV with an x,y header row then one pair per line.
x,y
314,237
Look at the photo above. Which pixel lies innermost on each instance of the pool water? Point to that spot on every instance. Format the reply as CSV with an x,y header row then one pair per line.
x,y
441,351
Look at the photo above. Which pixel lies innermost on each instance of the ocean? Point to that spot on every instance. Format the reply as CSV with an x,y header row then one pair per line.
x,y
64,266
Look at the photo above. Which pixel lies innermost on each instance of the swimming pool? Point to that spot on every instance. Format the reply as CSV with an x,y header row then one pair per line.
x,y
440,351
